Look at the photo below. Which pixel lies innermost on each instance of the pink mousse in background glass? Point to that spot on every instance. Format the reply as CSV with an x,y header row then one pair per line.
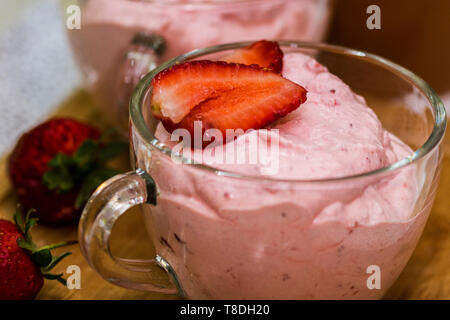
x,y
359,165
121,40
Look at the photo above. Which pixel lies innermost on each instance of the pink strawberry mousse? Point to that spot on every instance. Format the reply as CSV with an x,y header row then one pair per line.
x,y
261,239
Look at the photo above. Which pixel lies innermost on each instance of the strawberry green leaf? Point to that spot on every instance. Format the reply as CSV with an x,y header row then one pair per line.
x,y
59,178
24,226
92,181
55,261
28,215
62,281
42,257
52,276
112,150
85,155
24,244
57,277
29,223
60,160
18,220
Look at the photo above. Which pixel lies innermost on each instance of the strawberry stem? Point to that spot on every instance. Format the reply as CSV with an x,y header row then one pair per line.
x,y
58,245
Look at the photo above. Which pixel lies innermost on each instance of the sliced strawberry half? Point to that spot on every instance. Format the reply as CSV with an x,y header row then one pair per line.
x,y
266,54
223,96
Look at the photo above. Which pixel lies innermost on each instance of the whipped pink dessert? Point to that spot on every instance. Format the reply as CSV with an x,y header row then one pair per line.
x,y
236,238
108,27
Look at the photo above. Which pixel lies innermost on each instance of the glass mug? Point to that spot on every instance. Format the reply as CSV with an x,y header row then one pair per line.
x,y
223,235
121,40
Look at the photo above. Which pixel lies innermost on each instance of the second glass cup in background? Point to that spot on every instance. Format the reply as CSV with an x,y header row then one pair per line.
x,y
121,40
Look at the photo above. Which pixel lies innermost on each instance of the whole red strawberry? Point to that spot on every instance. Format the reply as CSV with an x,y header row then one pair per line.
x,y
56,166
23,267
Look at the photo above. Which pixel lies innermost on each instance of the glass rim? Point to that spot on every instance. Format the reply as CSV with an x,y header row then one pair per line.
x,y
433,141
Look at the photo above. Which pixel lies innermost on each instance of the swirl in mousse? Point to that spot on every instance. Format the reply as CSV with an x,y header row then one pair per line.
x,y
267,237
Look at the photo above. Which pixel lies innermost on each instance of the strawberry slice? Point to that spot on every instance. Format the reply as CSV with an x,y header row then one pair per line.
x,y
266,54
222,95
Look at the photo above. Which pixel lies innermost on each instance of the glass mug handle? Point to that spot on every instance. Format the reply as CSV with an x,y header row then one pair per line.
x,y
113,198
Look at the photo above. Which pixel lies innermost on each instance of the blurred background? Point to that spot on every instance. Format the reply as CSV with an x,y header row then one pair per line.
x,y
414,33
38,69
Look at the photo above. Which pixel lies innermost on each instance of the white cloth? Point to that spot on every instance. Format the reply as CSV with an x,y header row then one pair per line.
x,y
37,70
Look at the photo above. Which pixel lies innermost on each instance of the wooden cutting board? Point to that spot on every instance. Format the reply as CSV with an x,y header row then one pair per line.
x,y
427,275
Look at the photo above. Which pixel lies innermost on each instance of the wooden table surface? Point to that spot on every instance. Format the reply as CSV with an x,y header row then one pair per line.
x,y
427,275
